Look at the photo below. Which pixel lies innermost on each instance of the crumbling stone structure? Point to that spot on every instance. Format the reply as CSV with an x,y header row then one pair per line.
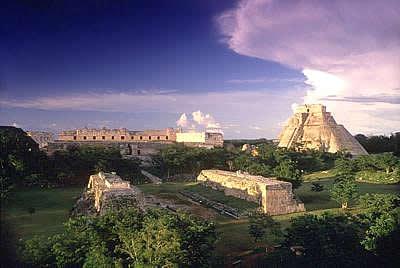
x,y
312,127
109,191
41,137
274,196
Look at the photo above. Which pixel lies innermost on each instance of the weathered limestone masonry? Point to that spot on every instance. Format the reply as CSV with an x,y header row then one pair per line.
x,y
117,135
275,197
110,190
200,139
312,127
134,143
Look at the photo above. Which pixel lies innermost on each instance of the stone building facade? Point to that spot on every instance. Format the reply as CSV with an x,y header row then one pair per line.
x,y
201,139
134,143
274,196
312,127
117,135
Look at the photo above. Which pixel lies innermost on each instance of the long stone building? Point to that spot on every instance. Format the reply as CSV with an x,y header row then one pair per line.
x,y
274,196
117,135
312,127
134,143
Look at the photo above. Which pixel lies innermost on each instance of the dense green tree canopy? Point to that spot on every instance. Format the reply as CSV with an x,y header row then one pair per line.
x,y
381,216
129,237
265,159
326,236
261,224
380,144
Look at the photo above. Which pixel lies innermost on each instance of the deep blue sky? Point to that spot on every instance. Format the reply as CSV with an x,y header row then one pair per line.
x,y
58,49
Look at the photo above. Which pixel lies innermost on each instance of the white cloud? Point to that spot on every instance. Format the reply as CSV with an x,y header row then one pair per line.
x,y
346,50
198,121
182,121
255,127
205,120
14,124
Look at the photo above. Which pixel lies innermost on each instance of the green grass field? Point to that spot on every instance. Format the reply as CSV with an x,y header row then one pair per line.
x,y
321,200
169,188
51,206
319,175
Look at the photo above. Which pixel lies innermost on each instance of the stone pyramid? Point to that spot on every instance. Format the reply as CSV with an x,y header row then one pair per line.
x,y
312,127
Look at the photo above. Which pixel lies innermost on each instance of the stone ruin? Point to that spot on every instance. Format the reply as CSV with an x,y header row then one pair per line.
x,y
107,191
312,127
274,196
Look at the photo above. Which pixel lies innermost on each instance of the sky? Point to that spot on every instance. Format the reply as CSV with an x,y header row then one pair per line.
x,y
240,66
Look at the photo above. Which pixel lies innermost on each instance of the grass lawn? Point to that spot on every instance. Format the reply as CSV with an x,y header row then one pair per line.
x,y
51,206
166,189
321,200
319,175
219,196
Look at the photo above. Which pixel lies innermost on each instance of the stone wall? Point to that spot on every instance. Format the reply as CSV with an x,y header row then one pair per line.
x,y
109,191
117,135
274,196
200,139
134,143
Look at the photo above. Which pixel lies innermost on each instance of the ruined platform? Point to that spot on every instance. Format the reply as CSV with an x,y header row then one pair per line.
x,y
110,192
274,196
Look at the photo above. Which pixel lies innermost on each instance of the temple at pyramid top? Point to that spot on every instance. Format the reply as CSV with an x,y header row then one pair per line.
x,y
312,127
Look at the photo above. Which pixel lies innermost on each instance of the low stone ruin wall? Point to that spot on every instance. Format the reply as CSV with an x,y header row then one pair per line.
x,y
274,196
279,199
107,191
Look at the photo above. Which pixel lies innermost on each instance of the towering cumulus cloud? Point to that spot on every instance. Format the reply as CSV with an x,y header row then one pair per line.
x,y
199,121
182,121
348,51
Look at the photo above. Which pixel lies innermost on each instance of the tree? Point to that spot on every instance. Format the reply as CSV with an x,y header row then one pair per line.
x,y
344,169
380,144
381,216
101,165
261,224
19,157
287,170
378,203
325,236
387,247
37,251
260,170
5,188
379,226
128,236
344,191
386,161
156,244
